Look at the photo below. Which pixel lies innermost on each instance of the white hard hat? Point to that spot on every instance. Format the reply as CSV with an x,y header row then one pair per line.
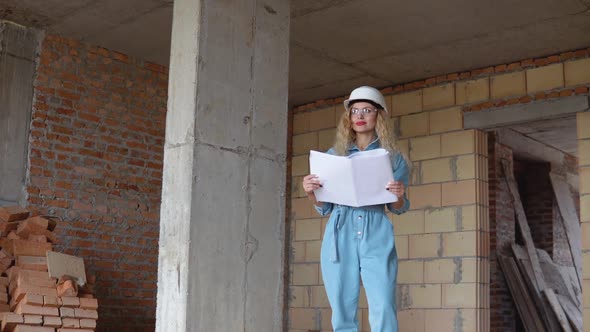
x,y
366,93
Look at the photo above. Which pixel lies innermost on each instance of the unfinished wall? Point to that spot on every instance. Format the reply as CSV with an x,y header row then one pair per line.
x,y
442,242
96,145
502,236
540,207
538,200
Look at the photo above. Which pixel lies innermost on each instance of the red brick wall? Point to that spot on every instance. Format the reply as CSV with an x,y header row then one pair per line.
x,y
503,316
537,199
96,150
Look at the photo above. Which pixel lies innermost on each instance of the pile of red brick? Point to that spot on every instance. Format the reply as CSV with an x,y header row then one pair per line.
x,y
31,301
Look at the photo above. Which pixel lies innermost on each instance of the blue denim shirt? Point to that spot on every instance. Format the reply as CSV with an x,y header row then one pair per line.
x,y
401,172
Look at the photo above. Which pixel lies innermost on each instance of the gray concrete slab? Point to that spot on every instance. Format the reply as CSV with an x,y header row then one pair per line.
x,y
334,89
356,31
18,41
41,13
18,50
544,130
312,69
223,207
481,50
527,148
100,17
338,41
518,114
145,34
559,133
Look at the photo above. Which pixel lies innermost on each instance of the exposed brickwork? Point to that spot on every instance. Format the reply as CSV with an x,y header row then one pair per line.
x,y
502,234
537,199
96,149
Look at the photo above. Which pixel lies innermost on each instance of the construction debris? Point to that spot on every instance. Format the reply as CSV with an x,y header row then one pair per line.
x,y
30,298
547,296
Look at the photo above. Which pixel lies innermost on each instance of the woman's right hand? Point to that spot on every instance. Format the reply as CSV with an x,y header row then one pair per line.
x,y
311,182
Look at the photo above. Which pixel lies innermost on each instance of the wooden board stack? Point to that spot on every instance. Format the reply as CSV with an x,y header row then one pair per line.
x,y
30,300
548,297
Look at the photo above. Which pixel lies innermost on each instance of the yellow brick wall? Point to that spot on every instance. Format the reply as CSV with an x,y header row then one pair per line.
x,y
443,241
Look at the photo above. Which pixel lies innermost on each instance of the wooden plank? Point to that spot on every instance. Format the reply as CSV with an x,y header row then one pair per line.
x,y
60,265
570,276
553,277
570,220
523,225
523,262
521,296
572,312
557,309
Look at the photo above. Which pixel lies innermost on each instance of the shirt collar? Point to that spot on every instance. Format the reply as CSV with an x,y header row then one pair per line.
x,y
373,145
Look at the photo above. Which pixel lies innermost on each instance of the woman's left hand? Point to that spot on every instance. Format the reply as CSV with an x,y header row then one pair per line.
x,y
396,187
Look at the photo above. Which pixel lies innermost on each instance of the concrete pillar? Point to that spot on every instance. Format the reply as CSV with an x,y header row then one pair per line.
x,y
220,264
18,51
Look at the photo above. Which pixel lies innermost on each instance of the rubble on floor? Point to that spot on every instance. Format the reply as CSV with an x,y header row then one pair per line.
x,y
32,297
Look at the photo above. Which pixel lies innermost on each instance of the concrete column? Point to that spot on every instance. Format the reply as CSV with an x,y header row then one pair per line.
x,y
220,264
18,51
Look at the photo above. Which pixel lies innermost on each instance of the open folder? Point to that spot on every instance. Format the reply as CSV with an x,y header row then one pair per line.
x,y
356,180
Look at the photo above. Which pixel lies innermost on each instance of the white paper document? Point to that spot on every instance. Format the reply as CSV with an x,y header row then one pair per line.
x,y
356,180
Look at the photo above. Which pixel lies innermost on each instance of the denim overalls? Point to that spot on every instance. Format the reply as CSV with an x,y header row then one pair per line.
x,y
359,243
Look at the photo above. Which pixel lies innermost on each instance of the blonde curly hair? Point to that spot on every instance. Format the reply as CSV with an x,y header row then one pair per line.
x,y
346,136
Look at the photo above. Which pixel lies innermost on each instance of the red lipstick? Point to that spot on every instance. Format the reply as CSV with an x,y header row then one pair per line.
x,y
360,123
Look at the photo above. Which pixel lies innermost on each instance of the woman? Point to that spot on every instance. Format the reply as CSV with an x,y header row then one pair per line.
x,y
358,242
